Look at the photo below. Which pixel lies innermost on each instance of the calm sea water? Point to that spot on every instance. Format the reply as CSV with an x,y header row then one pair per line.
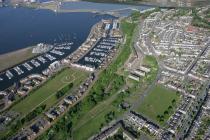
x,y
22,27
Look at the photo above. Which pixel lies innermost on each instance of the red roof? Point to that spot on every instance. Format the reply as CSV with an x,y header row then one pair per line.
x,y
191,28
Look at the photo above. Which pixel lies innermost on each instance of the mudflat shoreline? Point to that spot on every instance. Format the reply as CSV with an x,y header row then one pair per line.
x,y
13,58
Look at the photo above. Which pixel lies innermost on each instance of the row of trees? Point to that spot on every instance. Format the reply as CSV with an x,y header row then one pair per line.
x,y
162,117
37,111
64,90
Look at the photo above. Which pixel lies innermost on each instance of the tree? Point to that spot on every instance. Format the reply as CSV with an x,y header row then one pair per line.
x,y
166,112
102,125
158,116
173,101
170,108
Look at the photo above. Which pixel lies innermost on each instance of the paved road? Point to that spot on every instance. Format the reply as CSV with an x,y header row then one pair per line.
x,y
198,57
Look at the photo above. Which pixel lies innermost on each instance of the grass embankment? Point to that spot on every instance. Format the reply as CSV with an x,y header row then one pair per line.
x,y
87,117
159,104
46,94
10,59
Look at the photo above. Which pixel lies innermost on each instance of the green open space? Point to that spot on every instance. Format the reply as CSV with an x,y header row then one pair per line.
x,y
151,62
160,102
93,125
137,88
92,121
46,94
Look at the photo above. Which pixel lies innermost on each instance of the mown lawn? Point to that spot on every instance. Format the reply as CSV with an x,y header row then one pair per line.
x,y
46,94
90,122
151,62
157,102
92,126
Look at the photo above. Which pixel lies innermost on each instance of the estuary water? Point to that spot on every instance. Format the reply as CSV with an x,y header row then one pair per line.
x,y
23,27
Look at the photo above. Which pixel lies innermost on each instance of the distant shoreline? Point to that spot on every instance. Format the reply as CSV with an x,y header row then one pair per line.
x,y
150,3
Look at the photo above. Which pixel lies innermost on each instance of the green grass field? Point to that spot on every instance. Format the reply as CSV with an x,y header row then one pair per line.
x,y
90,123
92,126
46,93
157,102
151,62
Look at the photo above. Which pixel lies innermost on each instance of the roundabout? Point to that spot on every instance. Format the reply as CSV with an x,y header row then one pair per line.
x,y
68,79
